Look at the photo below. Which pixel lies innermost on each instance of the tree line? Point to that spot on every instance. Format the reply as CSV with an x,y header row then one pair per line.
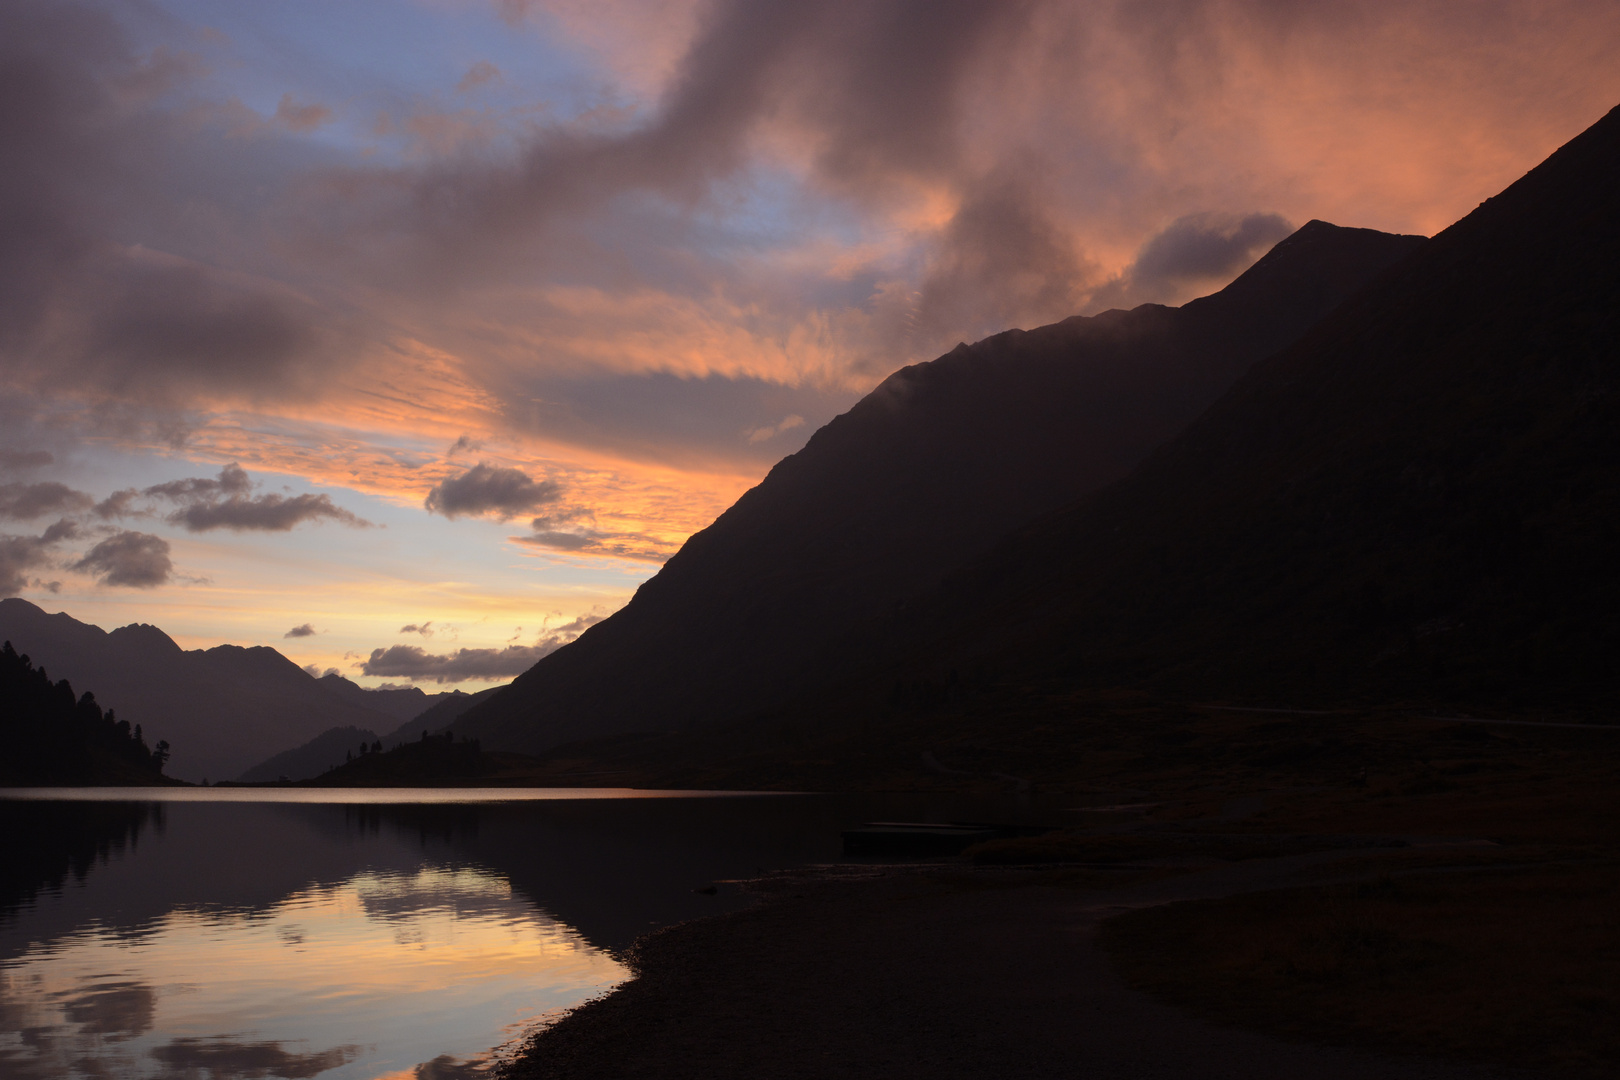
x,y
53,737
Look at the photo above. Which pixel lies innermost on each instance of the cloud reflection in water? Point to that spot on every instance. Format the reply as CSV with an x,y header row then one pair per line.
x,y
385,974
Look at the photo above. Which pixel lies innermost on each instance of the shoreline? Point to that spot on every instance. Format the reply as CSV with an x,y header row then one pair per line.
x,y
930,970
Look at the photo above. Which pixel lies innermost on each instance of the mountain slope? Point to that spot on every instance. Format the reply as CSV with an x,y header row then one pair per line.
x,y
222,710
925,472
327,750
1420,499
52,736
445,710
402,703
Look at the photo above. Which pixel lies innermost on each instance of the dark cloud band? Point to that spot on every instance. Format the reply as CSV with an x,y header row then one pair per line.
x,y
490,490
136,559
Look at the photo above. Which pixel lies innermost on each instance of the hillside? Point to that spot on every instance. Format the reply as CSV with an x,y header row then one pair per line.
x,y
53,737
222,710
325,751
928,470
1419,500
445,710
328,749
402,703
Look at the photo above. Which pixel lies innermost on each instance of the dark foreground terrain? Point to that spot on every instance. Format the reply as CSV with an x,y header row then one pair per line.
x,y
1240,894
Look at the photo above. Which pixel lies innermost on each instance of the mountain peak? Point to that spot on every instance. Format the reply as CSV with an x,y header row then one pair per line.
x,y
925,472
145,636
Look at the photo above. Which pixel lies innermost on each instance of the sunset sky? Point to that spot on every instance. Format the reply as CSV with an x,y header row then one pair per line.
x,y
409,337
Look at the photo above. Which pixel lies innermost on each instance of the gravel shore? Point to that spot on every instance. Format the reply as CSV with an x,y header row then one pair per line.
x,y
939,972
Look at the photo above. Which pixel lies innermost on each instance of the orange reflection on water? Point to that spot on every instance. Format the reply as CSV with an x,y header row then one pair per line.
x,y
353,981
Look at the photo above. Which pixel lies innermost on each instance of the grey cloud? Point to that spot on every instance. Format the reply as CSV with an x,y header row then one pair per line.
x,y
1020,114
592,541
19,554
463,444
118,504
1207,246
1002,262
94,162
570,630
226,1057
499,492
881,85
305,630
425,629
225,502
63,529
27,501
564,530
136,559
571,530
316,673
563,541
266,513
415,663
663,418
232,480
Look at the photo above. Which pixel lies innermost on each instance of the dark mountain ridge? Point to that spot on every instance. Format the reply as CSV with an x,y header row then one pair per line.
x,y
52,736
327,750
1419,500
928,470
403,703
222,710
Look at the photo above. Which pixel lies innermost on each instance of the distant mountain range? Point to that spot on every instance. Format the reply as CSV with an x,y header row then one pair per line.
x,y
933,467
331,747
222,710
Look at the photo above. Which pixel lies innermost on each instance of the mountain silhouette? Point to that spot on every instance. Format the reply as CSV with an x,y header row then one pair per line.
x,y
937,463
445,709
327,750
222,710
53,736
1419,500
400,702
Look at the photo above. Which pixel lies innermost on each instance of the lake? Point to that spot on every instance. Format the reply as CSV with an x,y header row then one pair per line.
x,y
360,934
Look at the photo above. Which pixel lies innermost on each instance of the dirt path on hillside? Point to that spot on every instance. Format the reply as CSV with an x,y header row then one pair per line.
x,y
855,972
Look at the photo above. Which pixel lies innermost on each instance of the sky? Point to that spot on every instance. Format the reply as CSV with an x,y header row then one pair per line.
x,y
409,337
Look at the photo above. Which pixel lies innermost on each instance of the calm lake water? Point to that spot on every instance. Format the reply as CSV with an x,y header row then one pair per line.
x,y
359,935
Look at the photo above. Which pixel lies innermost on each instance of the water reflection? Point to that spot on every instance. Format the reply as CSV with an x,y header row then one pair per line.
x,y
368,977
370,938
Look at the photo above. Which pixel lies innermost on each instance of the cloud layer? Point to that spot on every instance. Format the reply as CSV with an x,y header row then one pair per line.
x,y
120,557
490,490
417,664
139,560
779,206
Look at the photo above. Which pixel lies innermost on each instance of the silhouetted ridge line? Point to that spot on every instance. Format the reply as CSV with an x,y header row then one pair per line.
x,y
930,469
51,737
1420,499
225,709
